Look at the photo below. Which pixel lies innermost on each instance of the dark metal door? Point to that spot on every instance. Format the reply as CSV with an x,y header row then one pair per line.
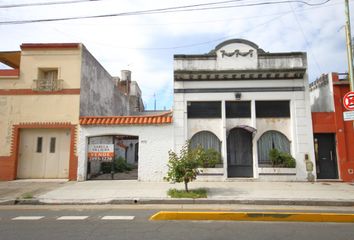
x,y
326,160
239,153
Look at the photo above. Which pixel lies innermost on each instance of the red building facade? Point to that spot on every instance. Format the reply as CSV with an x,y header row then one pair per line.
x,y
334,137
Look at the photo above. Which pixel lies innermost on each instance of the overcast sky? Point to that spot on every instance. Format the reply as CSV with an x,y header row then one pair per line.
x,y
145,44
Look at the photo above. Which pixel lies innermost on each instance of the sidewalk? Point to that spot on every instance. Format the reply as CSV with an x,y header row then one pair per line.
x,y
132,191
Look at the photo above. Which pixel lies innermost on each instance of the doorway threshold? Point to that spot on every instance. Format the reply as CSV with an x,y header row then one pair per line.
x,y
42,180
251,179
329,180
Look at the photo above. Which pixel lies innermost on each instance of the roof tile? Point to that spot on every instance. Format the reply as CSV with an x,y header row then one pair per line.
x,y
128,120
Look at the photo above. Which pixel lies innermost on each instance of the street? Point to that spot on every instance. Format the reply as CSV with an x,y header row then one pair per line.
x,y
83,222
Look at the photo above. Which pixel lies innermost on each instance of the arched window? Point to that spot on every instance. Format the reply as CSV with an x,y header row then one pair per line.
x,y
268,141
206,140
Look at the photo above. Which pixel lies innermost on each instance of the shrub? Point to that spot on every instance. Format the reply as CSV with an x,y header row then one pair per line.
x,y
106,167
281,159
183,167
121,165
209,158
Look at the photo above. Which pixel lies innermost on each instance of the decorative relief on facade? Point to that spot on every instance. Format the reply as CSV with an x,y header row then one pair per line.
x,y
319,82
237,53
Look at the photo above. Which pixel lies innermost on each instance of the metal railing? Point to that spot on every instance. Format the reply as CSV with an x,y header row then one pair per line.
x,y
47,84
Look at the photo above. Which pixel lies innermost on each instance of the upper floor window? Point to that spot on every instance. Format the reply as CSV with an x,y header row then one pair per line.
x,y
238,109
47,80
272,109
204,110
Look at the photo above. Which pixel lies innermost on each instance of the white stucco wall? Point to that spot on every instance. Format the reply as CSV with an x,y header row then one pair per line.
x,y
282,125
154,143
321,95
205,124
233,122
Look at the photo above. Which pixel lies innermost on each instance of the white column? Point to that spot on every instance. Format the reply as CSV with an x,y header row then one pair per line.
x,y
82,155
224,137
254,140
293,139
185,119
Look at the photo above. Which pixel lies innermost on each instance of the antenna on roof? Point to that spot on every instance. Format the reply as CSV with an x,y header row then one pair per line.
x,y
154,101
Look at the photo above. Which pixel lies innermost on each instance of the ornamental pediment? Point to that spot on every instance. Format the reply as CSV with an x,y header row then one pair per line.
x,y
237,54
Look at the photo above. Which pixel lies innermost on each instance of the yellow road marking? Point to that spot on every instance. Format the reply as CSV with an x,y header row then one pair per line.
x,y
255,216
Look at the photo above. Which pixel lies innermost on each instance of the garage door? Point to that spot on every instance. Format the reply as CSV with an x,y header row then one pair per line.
x,y
44,153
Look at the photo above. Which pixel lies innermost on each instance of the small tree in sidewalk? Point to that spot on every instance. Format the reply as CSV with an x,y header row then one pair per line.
x,y
183,168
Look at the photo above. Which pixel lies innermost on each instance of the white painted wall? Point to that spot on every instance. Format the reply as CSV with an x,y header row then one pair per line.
x,y
282,125
276,62
321,95
154,143
206,124
233,122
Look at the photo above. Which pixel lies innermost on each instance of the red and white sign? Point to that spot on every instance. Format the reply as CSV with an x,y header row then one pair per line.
x,y
102,152
348,101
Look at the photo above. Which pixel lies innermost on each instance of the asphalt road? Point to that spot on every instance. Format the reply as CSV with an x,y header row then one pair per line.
x,y
125,223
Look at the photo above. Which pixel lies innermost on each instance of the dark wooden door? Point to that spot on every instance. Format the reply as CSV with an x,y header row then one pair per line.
x,y
239,153
326,160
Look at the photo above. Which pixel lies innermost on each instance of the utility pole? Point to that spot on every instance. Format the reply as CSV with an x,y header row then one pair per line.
x,y
349,45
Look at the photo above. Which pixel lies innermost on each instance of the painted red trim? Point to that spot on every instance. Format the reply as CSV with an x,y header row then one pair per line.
x,y
126,120
323,122
8,164
49,45
72,91
9,72
168,113
6,167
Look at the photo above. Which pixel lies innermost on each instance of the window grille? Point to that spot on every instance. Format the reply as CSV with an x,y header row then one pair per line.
x,y
268,141
48,81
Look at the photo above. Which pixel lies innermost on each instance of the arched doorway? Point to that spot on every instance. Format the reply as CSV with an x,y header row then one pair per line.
x,y
239,153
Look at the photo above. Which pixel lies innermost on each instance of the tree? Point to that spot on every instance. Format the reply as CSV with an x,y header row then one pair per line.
x,y
183,168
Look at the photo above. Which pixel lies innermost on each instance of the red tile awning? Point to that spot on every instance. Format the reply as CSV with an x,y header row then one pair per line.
x,y
165,118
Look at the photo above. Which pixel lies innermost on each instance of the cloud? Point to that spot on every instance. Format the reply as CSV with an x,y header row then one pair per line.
x,y
145,44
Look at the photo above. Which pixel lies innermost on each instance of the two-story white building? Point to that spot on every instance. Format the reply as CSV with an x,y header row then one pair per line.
x,y
243,102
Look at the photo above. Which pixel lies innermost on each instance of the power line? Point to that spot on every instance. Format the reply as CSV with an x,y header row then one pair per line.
x,y
186,8
279,15
305,38
200,43
46,3
207,21
79,1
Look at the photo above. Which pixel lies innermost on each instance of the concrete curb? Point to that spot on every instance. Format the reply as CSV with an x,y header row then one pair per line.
x,y
255,216
35,201
7,202
246,202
